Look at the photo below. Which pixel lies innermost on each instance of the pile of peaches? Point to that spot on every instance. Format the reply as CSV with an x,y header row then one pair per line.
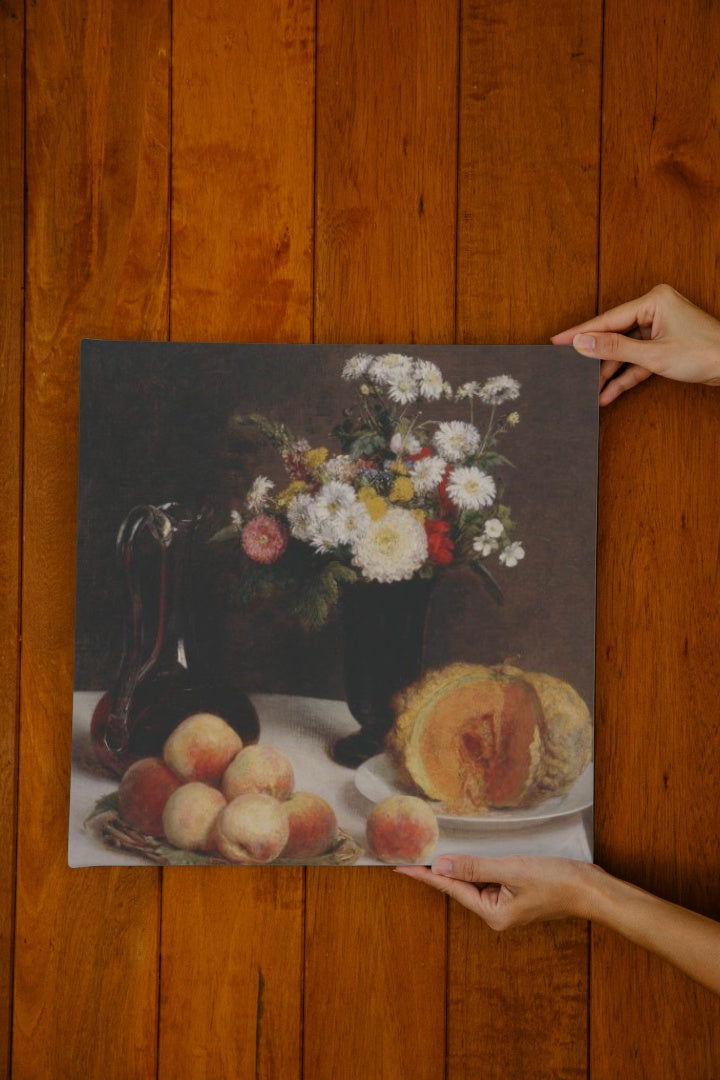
x,y
210,793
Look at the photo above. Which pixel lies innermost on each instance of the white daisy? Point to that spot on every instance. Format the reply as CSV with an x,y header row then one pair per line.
x,y
430,380
257,497
393,548
471,488
390,365
322,532
485,545
494,528
512,554
236,519
455,440
513,418
402,387
334,497
498,389
351,523
404,444
467,390
357,365
301,516
447,391
426,473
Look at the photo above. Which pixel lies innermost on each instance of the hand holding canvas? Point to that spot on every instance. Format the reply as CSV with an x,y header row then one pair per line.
x,y
515,891
660,333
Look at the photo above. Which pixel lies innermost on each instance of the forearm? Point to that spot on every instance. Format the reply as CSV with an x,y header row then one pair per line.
x,y
685,939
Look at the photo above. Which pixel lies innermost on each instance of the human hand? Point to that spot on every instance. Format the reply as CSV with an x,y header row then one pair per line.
x,y
514,890
660,333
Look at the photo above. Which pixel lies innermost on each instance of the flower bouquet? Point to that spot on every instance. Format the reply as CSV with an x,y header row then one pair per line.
x,y
406,495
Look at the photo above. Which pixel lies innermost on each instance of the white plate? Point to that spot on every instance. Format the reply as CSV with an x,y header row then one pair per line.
x,y
375,779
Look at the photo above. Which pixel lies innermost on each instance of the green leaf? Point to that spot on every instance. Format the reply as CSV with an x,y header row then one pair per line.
x,y
366,444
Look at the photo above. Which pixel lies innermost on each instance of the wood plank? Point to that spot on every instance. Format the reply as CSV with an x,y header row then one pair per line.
x,y
527,242
243,106
658,577
385,259
12,214
97,238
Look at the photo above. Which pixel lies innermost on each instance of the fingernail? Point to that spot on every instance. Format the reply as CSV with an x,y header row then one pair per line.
x,y
584,341
442,866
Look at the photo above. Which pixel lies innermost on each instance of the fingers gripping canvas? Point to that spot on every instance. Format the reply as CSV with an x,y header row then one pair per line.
x,y
335,604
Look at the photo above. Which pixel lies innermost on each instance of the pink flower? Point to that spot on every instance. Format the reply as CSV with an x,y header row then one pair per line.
x,y
264,539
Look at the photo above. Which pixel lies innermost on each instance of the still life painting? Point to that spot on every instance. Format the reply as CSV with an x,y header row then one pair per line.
x,y
335,604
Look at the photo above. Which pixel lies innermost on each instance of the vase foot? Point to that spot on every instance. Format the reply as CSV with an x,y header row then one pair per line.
x,y
354,749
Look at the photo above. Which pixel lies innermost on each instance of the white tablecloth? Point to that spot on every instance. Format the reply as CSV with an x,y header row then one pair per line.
x,y
304,728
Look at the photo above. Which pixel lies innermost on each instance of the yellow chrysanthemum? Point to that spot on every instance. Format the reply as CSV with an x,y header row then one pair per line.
x,y
374,503
402,489
420,515
287,494
399,468
316,457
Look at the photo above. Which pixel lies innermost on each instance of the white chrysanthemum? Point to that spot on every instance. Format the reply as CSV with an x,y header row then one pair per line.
x,y
402,387
471,488
467,390
404,444
334,497
301,516
485,545
323,532
430,380
389,366
426,473
498,389
494,528
393,548
340,467
512,554
455,440
257,496
351,523
357,365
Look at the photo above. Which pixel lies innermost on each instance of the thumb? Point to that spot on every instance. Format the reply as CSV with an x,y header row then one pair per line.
x,y
466,868
619,348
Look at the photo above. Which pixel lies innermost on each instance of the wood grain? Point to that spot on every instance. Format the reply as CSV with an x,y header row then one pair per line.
x,y
658,577
97,232
527,242
385,258
12,225
243,107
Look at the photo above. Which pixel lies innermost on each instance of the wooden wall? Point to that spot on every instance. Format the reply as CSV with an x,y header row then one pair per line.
x,y
358,170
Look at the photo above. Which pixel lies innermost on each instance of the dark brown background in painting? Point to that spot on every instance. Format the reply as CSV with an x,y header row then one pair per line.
x,y
322,170
155,425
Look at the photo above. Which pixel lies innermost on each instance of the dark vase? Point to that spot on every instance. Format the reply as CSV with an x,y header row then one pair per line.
x,y
384,630
163,675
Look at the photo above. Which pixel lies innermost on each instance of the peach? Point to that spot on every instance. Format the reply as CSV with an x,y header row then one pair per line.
x,y
259,769
201,747
189,815
402,829
144,789
313,826
252,828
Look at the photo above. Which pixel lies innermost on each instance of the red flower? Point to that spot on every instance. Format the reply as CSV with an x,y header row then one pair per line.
x,y
446,504
440,546
264,539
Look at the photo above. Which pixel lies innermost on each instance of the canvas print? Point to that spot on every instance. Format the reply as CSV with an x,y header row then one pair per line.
x,y
335,604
